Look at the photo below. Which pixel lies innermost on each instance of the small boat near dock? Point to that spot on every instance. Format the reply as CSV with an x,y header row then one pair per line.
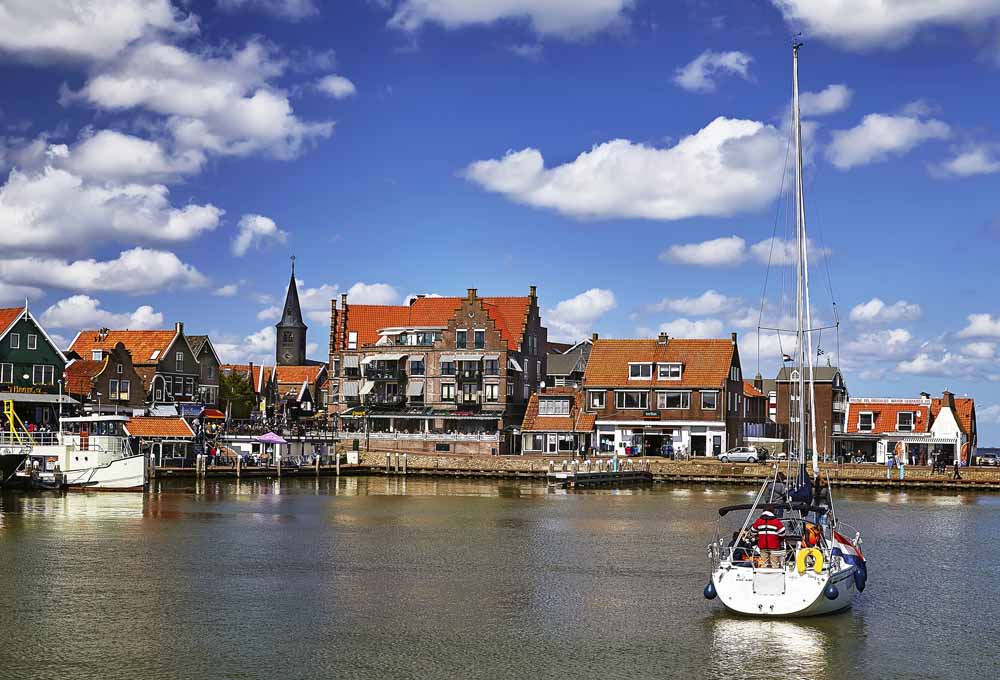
x,y
576,474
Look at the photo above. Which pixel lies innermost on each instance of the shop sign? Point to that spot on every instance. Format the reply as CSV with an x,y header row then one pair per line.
x,y
651,414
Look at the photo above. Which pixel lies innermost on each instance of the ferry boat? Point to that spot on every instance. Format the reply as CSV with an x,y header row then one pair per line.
x,y
812,567
90,452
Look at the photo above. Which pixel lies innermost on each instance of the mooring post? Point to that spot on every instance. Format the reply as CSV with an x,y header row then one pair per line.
x,y
239,465
317,463
552,466
388,462
404,464
152,465
336,457
279,464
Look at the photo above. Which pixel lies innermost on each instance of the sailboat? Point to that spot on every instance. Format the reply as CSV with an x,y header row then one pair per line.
x,y
819,568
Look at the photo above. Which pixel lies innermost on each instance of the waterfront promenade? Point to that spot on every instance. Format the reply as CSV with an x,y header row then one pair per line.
x,y
706,471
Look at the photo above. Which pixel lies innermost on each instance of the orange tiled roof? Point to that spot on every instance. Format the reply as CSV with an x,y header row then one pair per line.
x,y
509,313
141,344
884,416
8,315
750,391
150,426
81,372
964,408
298,374
705,362
576,421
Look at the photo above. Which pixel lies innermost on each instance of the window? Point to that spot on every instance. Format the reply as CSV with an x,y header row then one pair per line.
x,y
15,340
673,400
734,373
553,407
32,341
179,361
286,336
538,369
491,366
168,385
211,372
904,421
510,389
492,392
352,340
44,374
462,338
447,392
416,366
534,442
6,373
96,354
866,421
631,399
709,401
178,386
640,371
190,387
123,390
596,398
119,369
112,389
669,371
447,368
479,339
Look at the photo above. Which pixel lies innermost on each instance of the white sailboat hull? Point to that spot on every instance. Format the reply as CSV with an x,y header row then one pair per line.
x,y
782,592
123,474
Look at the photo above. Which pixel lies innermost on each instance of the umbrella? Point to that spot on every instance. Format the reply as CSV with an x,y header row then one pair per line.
x,y
270,438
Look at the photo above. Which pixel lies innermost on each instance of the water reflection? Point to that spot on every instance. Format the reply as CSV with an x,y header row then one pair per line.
x,y
744,647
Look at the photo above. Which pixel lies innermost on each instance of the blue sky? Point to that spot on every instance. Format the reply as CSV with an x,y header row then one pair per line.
x,y
161,161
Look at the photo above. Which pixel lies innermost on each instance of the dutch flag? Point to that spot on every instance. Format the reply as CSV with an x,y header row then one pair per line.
x,y
842,547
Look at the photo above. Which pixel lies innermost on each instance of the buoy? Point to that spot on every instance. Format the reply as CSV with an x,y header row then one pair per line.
x,y
831,592
710,591
860,580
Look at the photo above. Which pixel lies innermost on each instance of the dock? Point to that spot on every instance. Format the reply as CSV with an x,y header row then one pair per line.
x,y
576,479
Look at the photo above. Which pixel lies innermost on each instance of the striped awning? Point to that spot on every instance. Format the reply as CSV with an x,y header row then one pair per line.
x,y
513,365
492,357
415,389
350,361
447,358
367,387
468,357
351,388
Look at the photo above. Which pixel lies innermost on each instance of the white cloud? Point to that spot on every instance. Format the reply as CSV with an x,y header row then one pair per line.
x,y
831,99
271,313
336,86
407,299
228,290
980,160
84,29
135,271
876,311
81,311
529,51
315,302
946,364
221,103
729,166
708,303
55,209
685,328
980,350
111,155
784,252
257,347
880,136
11,294
869,24
293,10
892,343
981,326
989,414
699,74
253,230
573,319
370,294
567,19
711,253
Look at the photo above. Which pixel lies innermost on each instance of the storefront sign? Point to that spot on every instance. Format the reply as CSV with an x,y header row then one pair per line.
x,y
651,414
17,389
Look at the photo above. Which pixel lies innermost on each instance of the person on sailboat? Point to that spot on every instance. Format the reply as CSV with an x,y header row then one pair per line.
x,y
770,533
777,493
821,501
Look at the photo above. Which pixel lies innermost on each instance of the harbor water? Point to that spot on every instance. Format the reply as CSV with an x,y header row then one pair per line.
x,y
371,577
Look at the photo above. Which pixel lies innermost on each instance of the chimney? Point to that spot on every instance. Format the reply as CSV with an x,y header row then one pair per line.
x,y
758,382
593,338
471,293
734,337
532,292
179,327
948,400
662,339
343,300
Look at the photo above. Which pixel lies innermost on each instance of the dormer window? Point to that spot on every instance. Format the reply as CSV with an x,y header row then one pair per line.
x,y
96,354
639,371
904,421
553,407
669,371
866,421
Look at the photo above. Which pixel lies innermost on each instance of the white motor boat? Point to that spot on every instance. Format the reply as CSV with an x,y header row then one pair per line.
x,y
90,452
808,567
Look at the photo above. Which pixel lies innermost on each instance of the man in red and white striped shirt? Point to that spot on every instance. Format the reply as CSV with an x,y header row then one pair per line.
x,y
770,533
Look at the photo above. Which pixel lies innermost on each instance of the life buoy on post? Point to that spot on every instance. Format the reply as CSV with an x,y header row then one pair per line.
x,y
805,553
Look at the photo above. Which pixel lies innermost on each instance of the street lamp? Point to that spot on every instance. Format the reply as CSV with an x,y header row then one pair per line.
x,y
60,403
98,403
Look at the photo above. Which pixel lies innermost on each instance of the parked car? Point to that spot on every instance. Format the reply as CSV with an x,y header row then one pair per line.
x,y
989,459
740,454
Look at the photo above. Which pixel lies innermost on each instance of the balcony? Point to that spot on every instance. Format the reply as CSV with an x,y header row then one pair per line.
x,y
374,373
470,375
840,405
385,400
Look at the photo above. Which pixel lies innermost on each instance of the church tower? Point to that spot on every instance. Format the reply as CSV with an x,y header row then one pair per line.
x,y
290,345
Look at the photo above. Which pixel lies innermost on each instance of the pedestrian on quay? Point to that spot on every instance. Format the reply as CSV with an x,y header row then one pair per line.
x,y
957,475
889,460
901,458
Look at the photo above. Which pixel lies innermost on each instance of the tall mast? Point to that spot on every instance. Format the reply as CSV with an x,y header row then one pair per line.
x,y
802,307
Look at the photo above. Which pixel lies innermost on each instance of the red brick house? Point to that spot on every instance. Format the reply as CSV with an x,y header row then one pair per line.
x,y
109,384
644,393
556,422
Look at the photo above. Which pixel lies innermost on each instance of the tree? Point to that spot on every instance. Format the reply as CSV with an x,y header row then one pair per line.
x,y
237,394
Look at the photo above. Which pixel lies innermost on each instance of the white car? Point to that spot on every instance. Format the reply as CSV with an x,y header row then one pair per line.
x,y
741,454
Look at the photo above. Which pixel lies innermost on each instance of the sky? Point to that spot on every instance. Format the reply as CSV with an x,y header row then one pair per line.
x,y
162,160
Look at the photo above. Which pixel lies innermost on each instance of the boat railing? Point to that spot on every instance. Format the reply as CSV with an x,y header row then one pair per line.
x,y
743,548
21,439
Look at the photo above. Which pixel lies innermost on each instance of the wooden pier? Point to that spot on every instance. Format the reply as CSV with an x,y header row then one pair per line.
x,y
581,478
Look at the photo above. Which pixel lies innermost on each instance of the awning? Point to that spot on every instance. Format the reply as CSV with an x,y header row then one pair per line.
x,y
163,411
367,387
415,389
36,398
350,361
367,360
492,357
514,366
416,357
213,414
351,388
468,357
447,358
270,438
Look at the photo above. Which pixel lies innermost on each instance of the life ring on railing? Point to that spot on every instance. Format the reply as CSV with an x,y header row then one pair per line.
x,y
804,554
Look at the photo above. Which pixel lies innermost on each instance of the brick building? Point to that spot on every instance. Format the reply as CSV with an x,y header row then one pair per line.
x,y
557,423
831,406
645,393
108,384
445,374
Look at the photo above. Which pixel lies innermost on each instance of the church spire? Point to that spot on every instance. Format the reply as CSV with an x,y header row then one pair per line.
x,y
290,347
